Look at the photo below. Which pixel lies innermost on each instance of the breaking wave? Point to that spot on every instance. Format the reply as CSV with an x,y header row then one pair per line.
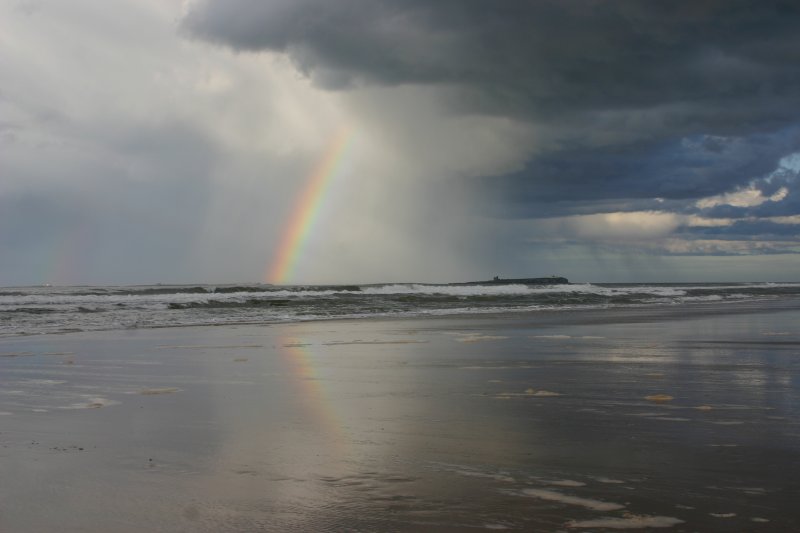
x,y
32,310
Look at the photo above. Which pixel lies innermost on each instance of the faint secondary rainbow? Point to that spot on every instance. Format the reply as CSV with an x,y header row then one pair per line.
x,y
307,208
69,254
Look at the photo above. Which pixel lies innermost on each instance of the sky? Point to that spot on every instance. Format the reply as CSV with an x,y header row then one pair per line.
x,y
146,141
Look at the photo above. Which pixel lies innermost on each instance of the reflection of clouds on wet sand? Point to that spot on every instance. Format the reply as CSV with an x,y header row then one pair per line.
x,y
305,368
354,342
95,402
468,471
100,381
602,479
563,337
628,521
507,430
473,336
158,391
555,496
374,341
479,338
41,395
565,483
536,487
658,398
528,393
208,346
495,366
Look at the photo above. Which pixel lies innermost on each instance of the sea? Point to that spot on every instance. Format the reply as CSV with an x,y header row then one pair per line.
x,y
61,309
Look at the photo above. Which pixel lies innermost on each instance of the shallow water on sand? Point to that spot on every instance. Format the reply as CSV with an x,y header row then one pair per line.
x,y
578,422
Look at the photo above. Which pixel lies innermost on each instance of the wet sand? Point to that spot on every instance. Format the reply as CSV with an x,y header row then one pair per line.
x,y
673,418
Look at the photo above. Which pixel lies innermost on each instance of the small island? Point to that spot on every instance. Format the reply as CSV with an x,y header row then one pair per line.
x,y
552,280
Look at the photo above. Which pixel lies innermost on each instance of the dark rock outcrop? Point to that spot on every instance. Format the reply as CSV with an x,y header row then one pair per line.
x,y
552,280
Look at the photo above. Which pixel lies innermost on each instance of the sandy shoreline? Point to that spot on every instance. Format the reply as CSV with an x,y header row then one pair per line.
x,y
683,419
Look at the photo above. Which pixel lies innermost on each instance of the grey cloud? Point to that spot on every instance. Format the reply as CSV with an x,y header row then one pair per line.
x,y
110,230
579,108
787,204
642,176
633,100
546,58
747,229
119,202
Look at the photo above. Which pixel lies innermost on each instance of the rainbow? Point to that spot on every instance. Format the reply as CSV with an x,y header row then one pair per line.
x,y
307,208
304,369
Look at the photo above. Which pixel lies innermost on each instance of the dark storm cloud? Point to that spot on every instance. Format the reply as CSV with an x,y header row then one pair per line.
x,y
544,58
645,176
644,105
782,185
737,230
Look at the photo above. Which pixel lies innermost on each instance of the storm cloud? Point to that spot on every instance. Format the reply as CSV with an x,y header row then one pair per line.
x,y
167,140
636,105
716,67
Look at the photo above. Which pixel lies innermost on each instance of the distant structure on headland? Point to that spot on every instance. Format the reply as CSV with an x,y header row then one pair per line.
x,y
552,280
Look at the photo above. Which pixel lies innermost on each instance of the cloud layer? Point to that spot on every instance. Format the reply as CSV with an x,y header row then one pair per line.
x,y
634,106
163,140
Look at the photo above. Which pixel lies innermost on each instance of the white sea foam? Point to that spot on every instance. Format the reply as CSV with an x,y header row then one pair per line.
x,y
479,338
627,522
91,403
31,310
489,290
41,382
63,298
566,483
554,496
460,290
609,480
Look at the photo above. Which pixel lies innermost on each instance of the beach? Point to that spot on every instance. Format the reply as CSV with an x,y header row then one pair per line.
x,y
682,418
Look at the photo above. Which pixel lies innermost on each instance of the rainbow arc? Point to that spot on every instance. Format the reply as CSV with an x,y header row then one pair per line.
x,y
307,207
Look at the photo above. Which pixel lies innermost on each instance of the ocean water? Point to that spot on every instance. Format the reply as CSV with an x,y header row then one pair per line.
x,y
47,309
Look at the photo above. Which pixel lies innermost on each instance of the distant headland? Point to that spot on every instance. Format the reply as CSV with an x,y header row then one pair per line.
x,y
552,280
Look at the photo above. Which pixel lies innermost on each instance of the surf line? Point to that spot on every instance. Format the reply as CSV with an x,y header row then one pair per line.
x,y
307,208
